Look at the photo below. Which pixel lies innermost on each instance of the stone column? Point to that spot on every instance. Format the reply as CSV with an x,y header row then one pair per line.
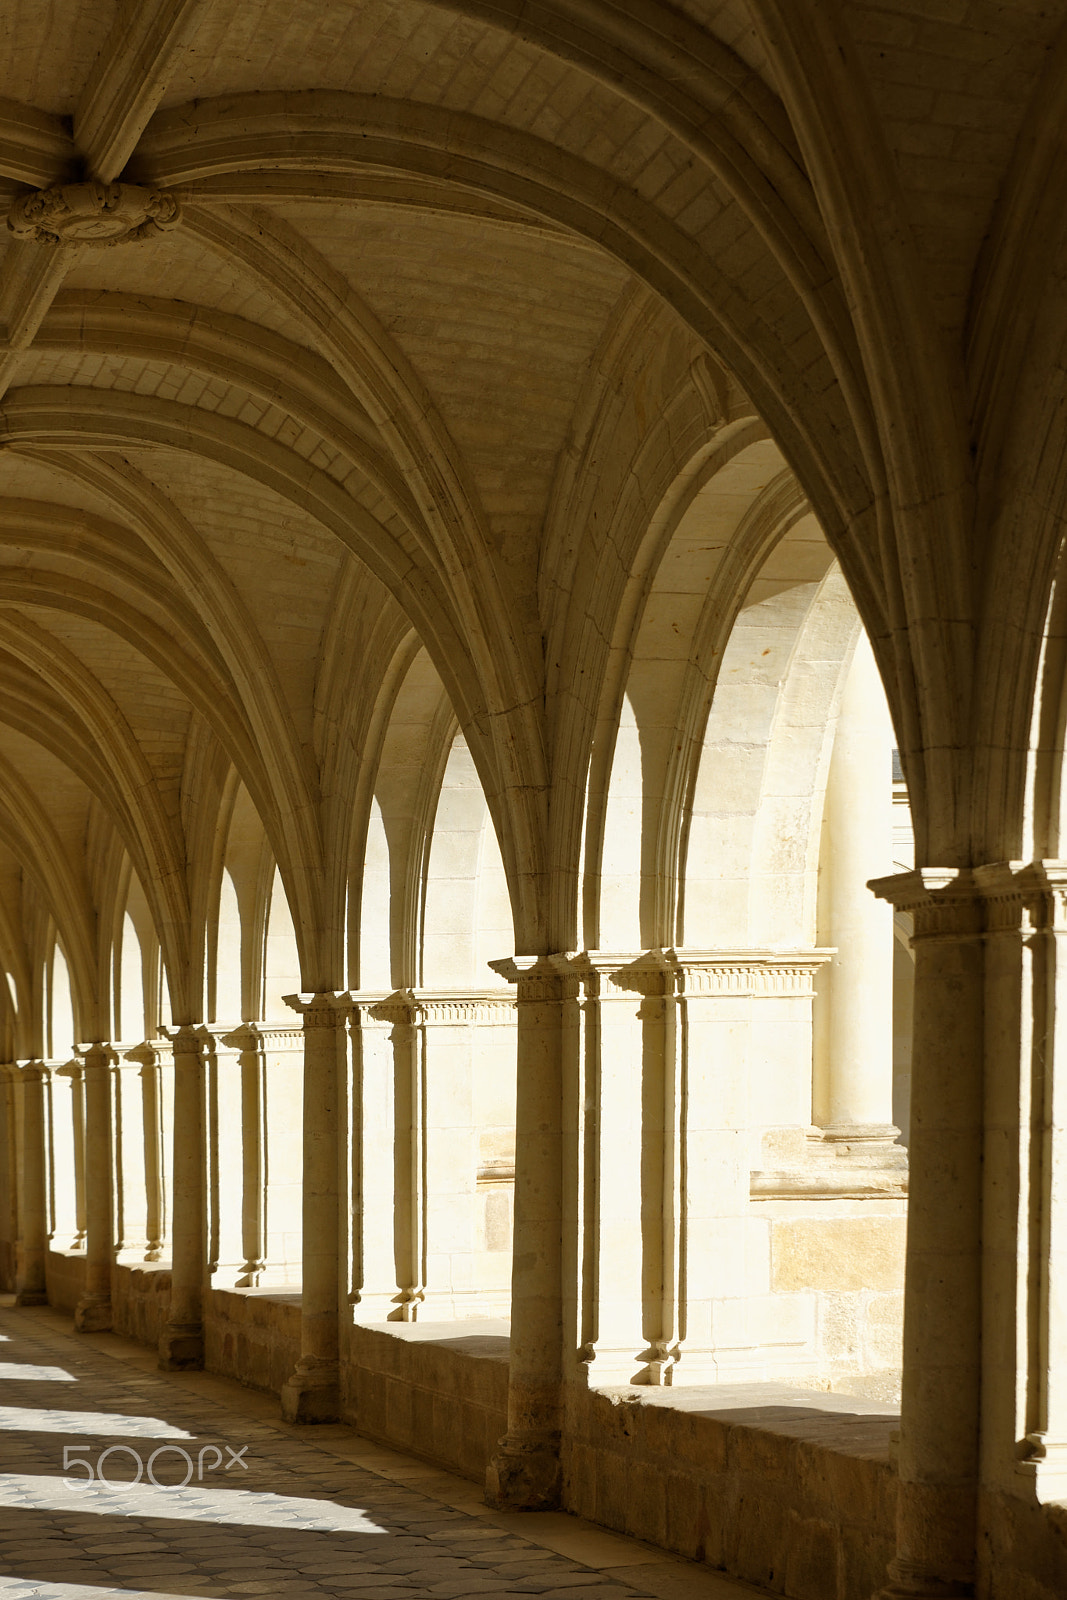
x,y
382,1203
622,1035
312,1394
150,1074
1025,1231
130,1157
181,1344
853,1087
251,1065
77,1095
225,1167
93,1312
30,1289
524,1474
939,1435
67,1076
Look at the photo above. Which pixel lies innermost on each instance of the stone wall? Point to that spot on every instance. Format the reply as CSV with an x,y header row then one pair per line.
x,y
793,1493
252,1335
438,1390
65,1278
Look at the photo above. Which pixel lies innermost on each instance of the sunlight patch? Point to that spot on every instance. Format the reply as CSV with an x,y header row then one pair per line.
x,y
26,1372
241,1507
113,1424
36,1589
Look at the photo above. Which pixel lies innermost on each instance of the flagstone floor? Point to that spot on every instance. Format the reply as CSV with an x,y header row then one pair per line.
x,y
197,1488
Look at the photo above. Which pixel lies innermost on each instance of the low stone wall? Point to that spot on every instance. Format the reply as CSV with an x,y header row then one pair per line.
x,y
252,1335
438,1390
791,1491
140,1300
64,1277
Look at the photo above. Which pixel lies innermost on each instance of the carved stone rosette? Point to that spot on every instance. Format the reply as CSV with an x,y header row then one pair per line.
x,y
93,213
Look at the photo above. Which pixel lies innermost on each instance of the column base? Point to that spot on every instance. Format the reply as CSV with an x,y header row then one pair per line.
x,y
524,1475
181,1347
31,1297
92,1314
313,1393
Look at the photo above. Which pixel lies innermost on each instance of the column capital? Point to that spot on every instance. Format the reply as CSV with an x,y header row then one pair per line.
x,y
539,979
185,1040
965,902
97,1053
32,1069
326,1008
945,902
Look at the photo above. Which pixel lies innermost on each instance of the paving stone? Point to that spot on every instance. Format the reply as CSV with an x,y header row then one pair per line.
x,y
192,1541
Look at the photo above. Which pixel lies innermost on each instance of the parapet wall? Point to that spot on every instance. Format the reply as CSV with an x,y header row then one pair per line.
x,y
789,1490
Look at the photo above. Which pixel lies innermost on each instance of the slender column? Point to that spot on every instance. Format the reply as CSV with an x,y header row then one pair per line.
x,y
152,1139
77,1095
252,1070
938,1454
30,1289
623,1034
382,1175
524,1474
130,1157
181,1344
853,1088
225,1173
1032,1259
68,1154
93,1312
312,1394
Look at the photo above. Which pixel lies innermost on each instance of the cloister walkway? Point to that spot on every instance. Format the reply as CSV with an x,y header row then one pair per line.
x,y
266,1509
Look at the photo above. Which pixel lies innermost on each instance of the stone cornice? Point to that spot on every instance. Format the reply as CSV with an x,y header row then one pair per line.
x,y
443,1007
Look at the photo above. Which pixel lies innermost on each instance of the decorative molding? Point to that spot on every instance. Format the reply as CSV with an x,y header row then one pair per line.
x,y
93,213
612,974
326,1010
496,1172
771,974
944,902
539,980
829,1183
444,1008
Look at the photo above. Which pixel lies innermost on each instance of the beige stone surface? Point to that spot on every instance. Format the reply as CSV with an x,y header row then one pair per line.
x,y
838,1254
494,485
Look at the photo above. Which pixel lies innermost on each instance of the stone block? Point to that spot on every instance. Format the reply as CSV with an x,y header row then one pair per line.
x,y
813,1560
838,1254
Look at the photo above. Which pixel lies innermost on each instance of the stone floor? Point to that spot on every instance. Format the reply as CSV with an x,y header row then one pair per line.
x,y
265,1509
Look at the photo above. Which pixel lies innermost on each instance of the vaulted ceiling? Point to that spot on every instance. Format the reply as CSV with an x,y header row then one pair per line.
x,y
396,264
